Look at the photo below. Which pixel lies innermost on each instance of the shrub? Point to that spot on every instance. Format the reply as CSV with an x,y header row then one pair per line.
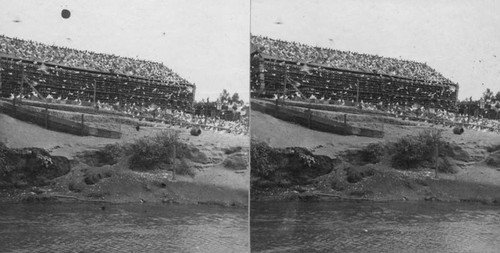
x,y
3,156
372,153
260,159
150,151
411,151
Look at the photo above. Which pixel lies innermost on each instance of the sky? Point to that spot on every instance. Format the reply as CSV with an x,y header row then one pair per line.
x,y
458,38
205,42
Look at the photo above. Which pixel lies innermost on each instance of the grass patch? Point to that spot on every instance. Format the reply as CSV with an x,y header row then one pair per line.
x,y
411,151
149,152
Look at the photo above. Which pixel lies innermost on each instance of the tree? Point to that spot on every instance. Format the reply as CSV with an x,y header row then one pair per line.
x,y
497,96
224,96
488,94
235,98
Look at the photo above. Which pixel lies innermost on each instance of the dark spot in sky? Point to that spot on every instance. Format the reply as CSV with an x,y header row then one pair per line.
x,y
16,21
65,13
163,34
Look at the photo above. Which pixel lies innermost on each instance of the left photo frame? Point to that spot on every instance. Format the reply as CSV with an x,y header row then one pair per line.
x,y
124,126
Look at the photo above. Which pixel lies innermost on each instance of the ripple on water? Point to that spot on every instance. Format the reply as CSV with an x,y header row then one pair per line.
x,y
374,227
130,228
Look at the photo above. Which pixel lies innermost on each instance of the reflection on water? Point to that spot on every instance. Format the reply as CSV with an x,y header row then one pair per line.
x,y
129,228
374,227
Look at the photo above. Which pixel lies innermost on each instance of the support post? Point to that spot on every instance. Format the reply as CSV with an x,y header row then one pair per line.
x,y
284,86
22,86
95,91
261,77
345,119
173,160
357,93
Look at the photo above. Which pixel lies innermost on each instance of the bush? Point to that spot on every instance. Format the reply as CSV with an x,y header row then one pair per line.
x,y
261,161
412,151
372,153
3,156
150,151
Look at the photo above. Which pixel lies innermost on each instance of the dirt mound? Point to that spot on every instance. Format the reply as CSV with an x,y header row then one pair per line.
x,y
285,167
356,174
29,167
192,153
454,151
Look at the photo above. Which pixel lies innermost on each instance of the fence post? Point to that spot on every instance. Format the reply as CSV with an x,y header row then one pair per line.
x,y
309,117
83,126
345,119
436,156
173,160
0,78
276,109
46,117
205,113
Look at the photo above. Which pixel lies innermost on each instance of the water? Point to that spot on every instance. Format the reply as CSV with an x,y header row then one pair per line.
x,y
374,227
122,228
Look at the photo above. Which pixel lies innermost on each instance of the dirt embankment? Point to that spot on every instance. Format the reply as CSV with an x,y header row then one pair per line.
x,y
44,165
293,162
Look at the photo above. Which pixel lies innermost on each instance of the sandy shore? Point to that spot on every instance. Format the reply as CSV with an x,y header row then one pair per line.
x,y
474,180
215,180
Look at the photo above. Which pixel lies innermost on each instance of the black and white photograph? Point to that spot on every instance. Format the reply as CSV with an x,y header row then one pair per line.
x,y
124,126
375,126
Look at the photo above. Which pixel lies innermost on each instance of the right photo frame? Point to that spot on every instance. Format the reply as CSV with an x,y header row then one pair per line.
x,y
375,126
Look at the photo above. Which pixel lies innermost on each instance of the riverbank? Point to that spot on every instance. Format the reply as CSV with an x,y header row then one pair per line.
x,y
295,163
211,168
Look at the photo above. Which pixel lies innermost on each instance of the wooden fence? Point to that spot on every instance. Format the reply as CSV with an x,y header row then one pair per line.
x,y
306,118
50,122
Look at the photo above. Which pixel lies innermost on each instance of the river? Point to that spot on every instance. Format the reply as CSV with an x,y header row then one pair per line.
x,y
374,227
122,228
